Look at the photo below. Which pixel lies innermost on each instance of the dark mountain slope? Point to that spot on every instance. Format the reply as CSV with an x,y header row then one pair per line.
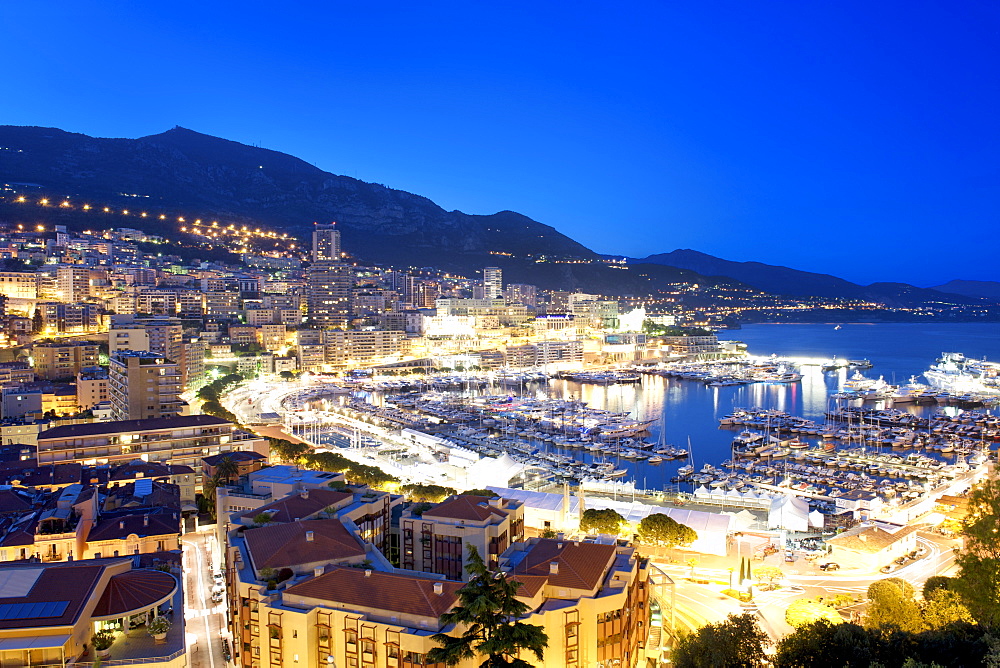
x,y
796,283
226,179
985,289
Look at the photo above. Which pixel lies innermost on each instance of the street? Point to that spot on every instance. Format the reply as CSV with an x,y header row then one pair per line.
x,y
205,619
699,604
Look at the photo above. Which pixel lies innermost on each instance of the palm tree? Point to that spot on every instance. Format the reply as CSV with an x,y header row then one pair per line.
x,y
488,611
227,470
209,494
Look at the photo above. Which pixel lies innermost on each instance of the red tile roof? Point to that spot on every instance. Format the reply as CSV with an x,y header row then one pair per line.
x,y
287,546
581,565
297,506
134,591
402,594
119,525
73,582
466,507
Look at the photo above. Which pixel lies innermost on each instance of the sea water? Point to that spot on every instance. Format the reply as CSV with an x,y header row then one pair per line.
x,y
688,412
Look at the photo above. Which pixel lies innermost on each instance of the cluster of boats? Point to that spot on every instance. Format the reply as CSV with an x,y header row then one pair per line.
x,y
523,428
889,428
834,475
614,377
729,372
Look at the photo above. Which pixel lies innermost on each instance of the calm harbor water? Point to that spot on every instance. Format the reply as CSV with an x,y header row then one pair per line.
x,y
690,411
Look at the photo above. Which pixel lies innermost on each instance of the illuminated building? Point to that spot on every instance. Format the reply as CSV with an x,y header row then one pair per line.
x,y
329,293
492,283
143,385
325,243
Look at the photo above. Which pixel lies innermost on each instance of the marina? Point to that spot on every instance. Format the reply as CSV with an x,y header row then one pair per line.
x,y
665,431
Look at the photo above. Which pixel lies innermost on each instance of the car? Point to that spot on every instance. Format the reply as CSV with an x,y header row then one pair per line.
x,y
886,569
829,566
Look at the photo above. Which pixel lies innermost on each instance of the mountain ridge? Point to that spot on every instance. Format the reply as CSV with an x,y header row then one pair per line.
x,y
781,280
188,168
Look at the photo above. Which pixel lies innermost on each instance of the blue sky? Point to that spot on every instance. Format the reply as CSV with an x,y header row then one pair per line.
x,y
852,138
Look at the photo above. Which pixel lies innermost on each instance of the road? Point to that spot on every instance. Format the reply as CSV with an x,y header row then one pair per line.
x,y
697,605
205,619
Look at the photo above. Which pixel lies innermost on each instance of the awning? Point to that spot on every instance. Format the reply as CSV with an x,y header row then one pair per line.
x,y
34,642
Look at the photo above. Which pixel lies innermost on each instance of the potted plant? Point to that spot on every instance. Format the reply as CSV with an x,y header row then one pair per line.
x,y
102,642
158,628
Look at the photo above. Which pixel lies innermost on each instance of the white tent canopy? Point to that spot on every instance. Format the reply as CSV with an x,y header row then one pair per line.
x,y
790,513
817,519
489,471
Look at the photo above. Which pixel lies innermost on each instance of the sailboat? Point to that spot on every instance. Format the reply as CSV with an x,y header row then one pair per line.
x,y
836,328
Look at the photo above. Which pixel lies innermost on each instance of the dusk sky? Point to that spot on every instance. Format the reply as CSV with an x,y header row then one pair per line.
x,y
859,139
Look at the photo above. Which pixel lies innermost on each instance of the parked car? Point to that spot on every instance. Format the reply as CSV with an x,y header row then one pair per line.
x,y
886,569
829,566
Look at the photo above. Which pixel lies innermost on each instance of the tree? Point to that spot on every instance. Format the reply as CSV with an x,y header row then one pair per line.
x,y
768,574
227,470
737,642
935,582
209,493
262,518
943,609
822,644
372,476
663,530
806,611
37,323
602,521
287,451
891,604
480,492
978,580
488,611
432,493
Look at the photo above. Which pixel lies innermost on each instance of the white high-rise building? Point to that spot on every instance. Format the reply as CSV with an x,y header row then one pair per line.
x,y
326,243
492,283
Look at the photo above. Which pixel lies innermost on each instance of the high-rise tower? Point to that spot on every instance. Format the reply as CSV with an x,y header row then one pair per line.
x,y
492,283
326,243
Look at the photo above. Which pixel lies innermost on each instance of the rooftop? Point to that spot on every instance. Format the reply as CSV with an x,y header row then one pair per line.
x,y
134,590
236,457
581,565
466,507
125,426
356,587
300,543
869,539
63,589
300,505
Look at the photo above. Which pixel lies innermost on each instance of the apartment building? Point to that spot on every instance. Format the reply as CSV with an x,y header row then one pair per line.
x,y
334,609
143,385
18,285
57,360
182,440
434,540
92,388
329,293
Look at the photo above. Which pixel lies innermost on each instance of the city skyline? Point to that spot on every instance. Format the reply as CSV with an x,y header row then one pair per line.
x,y
814,139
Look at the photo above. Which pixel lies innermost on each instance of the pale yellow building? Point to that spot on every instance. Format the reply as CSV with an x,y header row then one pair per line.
x,y
55,609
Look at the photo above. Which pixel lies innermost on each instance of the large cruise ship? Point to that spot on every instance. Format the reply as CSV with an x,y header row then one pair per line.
x,y
956,373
